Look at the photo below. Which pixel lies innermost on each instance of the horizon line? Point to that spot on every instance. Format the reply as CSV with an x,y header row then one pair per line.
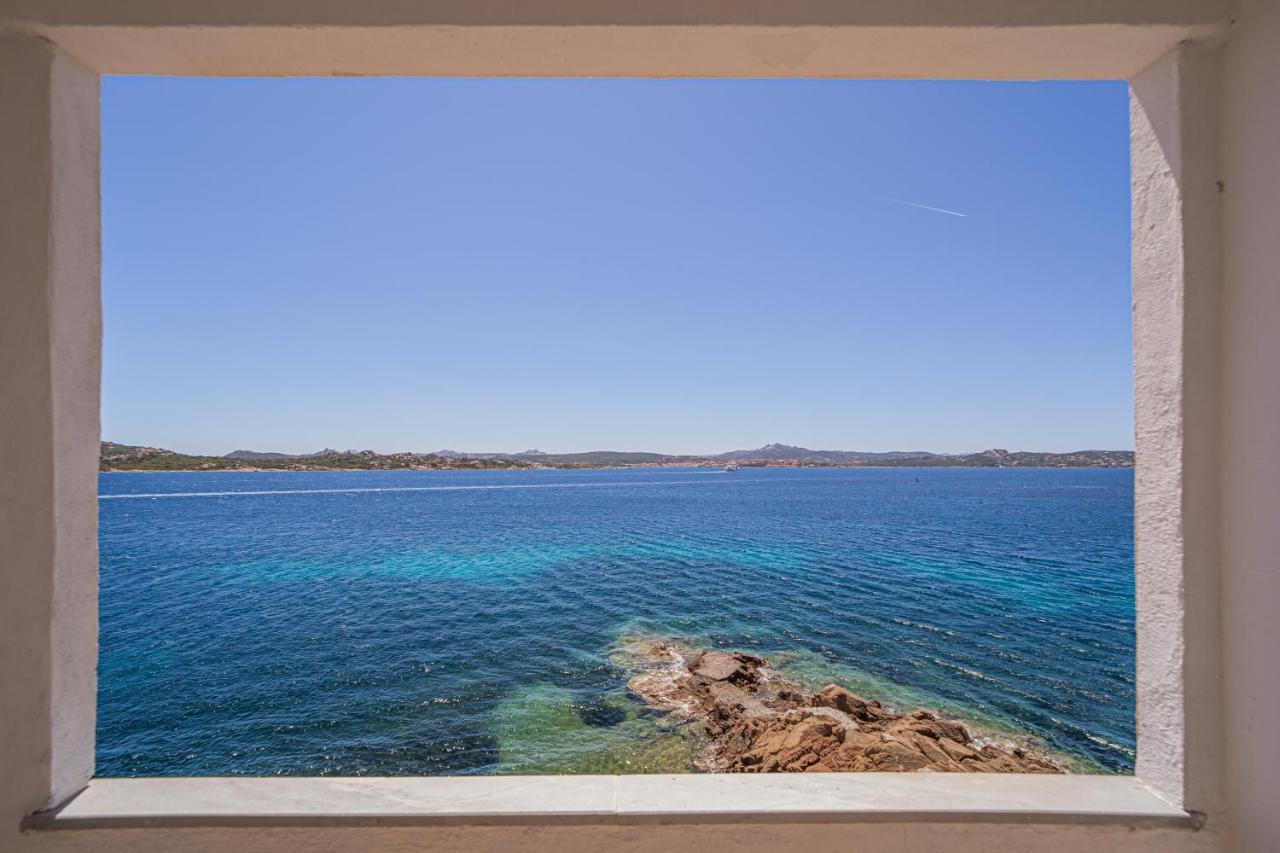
x,y
538,452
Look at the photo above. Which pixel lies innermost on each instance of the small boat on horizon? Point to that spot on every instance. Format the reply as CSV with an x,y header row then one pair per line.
x,y
732,466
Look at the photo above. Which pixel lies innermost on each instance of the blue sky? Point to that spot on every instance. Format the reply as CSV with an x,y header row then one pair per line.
x,y
669,265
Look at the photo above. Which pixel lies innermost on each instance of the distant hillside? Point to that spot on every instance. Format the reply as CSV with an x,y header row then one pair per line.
x,y
770,453
462,454
781,454
603,459
587,459
471,454
1024,459
254,454
123,457
788,453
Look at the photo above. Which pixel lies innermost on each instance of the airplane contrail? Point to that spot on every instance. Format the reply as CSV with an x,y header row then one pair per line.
x,y
928,207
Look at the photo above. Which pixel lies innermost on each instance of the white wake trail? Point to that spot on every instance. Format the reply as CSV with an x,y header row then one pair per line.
x,y
353,491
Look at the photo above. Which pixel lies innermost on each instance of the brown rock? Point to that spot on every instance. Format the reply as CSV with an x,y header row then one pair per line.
x,y
759,723
949,728
836,697
934,753
957,751
894,755
738,668
716,666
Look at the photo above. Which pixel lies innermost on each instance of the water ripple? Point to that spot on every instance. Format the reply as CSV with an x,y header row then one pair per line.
x,y
462,622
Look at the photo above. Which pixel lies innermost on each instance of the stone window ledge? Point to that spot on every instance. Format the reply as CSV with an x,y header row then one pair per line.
x,y
705,799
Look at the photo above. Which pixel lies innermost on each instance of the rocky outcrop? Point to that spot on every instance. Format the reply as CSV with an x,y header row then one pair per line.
x,y
757,722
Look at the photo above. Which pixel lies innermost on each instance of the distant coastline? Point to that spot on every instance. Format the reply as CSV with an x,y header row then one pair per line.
x,y
122,457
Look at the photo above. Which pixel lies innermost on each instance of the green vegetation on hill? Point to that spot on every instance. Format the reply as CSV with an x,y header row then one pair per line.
x,y
1021,459
123,457
604,459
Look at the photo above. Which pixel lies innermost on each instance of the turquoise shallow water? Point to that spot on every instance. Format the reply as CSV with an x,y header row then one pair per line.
x,y
475,622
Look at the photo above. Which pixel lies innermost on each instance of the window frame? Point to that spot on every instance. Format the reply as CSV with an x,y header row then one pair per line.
x,y
1171,63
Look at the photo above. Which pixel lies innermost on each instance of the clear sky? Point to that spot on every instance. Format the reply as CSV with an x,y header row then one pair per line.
x,y
677,266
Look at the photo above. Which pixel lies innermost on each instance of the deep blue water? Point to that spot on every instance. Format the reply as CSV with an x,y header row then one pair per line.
x,y
475,622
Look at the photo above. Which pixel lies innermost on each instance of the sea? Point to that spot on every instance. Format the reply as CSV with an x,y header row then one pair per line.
x,y
480,622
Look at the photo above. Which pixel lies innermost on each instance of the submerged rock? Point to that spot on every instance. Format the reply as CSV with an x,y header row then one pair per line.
x,y
759,723
718,666
600,714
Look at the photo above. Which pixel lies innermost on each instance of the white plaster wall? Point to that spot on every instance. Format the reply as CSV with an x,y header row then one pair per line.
x,y
1176,286
49,316
1251,426
1012,39
50,370
880,838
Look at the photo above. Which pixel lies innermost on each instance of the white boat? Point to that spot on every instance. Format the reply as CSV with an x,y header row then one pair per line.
x,y
732,466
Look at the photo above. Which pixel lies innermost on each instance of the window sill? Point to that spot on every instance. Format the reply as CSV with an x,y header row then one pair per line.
x,y
545,800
